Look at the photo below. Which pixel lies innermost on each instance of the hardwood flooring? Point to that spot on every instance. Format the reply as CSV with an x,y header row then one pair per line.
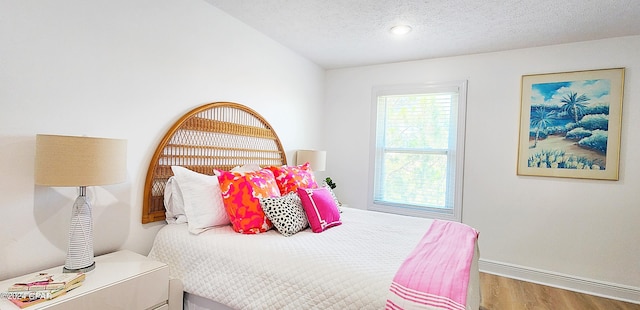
x,y
500,293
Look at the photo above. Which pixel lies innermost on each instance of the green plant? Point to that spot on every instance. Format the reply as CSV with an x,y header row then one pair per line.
x,y
330,183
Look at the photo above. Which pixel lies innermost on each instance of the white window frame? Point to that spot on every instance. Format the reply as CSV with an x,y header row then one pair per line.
x,y
455,183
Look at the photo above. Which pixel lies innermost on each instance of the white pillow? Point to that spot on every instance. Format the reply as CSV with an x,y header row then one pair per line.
x,y
174,203
246,168
203,203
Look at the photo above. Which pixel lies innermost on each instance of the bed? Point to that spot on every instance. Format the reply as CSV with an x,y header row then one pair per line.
x,y
363,260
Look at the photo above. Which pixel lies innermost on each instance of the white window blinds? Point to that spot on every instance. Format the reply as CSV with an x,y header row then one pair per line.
x,y
416,145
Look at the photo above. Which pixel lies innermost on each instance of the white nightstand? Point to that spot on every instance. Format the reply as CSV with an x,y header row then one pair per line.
x,y
121,280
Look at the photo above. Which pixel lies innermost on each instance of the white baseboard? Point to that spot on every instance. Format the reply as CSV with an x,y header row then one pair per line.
x,y
563,281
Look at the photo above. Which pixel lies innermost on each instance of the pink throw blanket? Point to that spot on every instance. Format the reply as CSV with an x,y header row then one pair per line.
x,y
436,274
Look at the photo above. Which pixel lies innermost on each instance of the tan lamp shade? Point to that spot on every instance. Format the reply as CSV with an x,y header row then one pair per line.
x,y
317,159
79,161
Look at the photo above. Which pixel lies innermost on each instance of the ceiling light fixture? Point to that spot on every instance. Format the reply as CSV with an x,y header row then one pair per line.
x,y
400,29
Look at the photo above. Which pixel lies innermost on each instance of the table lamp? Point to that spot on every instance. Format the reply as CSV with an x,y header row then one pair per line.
x,y
65,161
317,159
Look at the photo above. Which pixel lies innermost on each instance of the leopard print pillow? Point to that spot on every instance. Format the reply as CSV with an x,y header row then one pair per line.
x,y
286,213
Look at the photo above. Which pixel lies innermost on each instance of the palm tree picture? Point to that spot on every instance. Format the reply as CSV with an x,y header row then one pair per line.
x,y
563,125
570,124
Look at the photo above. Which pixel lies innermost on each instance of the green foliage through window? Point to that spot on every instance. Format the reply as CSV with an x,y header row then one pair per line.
x,y
415,150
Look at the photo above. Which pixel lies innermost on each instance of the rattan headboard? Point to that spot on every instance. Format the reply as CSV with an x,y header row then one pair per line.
x,y
219,135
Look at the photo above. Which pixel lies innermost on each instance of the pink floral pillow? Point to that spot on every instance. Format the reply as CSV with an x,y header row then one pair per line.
x,y
320,207
290,178
241,193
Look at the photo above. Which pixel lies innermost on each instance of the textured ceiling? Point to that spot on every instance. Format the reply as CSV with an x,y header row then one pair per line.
x,y
346,33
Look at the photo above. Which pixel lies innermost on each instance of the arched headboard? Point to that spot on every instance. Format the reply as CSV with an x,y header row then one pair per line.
x,y
219,135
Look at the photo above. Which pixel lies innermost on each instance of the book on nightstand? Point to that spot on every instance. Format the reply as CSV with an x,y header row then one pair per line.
x,y
49,282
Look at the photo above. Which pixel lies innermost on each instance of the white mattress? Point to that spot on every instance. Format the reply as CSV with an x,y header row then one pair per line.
x,y
346,267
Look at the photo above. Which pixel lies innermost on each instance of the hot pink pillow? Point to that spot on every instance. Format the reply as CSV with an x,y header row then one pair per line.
x,y
320,207
290,178
241,193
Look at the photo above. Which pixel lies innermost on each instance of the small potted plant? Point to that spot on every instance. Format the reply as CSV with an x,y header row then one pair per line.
x,y
330,183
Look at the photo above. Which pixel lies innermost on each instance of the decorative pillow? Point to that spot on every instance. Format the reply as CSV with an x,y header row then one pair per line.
x,y
174,203
241,193
333,195
322,211
203,203
290,178
286,213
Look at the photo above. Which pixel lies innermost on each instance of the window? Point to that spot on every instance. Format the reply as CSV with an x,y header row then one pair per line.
x,y
418,150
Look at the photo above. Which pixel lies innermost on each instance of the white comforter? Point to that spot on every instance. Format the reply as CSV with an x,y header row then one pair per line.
x,y
346,267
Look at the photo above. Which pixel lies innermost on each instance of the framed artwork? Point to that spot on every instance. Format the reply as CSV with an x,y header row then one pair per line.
x,y
570,124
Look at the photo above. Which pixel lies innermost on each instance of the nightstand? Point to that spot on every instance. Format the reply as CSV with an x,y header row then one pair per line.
x,y
121,280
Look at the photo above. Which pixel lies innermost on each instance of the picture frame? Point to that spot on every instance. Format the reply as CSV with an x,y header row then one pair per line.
x,y
570,124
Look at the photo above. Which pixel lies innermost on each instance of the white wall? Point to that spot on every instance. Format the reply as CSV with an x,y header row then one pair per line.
x,y
578,231
125,69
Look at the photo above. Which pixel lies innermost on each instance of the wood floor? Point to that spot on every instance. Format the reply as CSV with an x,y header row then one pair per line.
x,y
500,293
